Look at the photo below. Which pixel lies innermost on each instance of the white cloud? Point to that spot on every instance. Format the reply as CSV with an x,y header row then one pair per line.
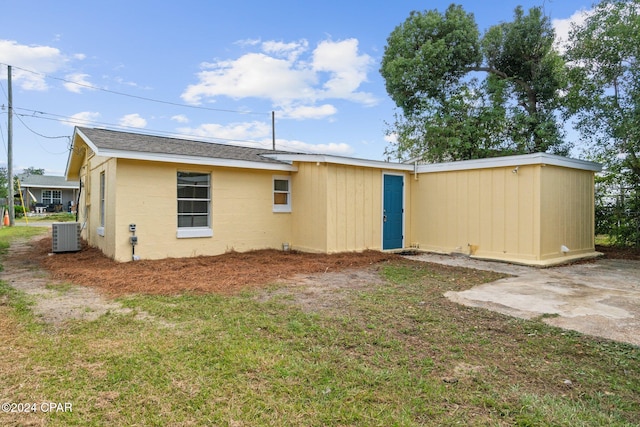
x,y
335,148
133,120
308,112
391,138
233,131
563,27
180,118
291,51
42,59
248,42
253,75
84,118
288,75
76,82
258,135
347,70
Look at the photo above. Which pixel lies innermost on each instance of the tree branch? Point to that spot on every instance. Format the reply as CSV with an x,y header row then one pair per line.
x,y
503,75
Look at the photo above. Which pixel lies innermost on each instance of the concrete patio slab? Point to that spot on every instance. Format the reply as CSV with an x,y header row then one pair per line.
x,y
599,298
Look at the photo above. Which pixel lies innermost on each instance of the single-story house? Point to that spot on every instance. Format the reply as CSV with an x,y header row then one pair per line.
x,y
189,198
47,193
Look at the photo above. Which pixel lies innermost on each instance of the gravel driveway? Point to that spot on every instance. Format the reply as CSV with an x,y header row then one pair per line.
x,y
600,298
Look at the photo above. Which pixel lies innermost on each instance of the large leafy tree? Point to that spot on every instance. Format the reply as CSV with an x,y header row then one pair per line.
x,y
431,66
33,171
604,100
4,179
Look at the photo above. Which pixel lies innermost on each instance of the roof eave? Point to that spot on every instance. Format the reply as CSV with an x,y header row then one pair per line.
x,y
195,160
73,154
350,161
73,184
511,161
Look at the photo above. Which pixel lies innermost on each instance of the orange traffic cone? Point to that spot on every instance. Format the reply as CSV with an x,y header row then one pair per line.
x,y
6,217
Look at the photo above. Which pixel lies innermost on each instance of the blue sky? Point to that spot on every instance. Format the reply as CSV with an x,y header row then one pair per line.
x,y
210,70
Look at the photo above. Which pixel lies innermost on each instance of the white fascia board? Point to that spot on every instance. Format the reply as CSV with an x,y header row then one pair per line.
x,y
71,151
194,160
350,161
511,161
63,187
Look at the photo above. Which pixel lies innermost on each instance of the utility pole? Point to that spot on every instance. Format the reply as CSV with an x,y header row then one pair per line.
x,y
10,193
273,129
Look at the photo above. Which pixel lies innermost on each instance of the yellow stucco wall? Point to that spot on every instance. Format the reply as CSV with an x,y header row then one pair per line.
x,y
144,193
89,204
567,206
484,212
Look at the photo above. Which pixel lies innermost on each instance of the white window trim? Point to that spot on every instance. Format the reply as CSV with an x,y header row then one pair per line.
x,y
194,232
52,202
103,201
281,208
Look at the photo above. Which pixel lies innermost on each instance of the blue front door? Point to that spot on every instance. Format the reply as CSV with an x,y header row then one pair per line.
x,y
392,215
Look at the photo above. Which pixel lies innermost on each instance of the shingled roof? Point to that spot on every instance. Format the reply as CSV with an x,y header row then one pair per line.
x,y
46,181
116,141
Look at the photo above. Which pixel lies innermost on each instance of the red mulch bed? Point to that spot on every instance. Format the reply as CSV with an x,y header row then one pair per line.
x,y
228,273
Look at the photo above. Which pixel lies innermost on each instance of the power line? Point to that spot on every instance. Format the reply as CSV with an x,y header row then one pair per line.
x,y
85,122
143,98
19,116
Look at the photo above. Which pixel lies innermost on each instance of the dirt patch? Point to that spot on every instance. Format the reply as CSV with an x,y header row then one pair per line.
x,y
55,301
614,252
326,291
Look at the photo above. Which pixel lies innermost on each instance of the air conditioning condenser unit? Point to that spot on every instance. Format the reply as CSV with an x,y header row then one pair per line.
x,y
65,236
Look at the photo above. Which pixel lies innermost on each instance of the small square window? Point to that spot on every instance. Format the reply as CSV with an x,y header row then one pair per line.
x,y
282,194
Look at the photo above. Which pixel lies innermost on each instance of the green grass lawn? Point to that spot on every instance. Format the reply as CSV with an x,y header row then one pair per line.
x,y
393,354
53,217
7,234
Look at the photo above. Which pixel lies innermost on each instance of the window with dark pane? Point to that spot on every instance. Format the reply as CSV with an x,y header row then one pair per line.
x,y
281,194
194,200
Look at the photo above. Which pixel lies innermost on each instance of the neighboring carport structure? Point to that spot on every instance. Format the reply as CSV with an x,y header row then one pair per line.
x,y
47,192
535,209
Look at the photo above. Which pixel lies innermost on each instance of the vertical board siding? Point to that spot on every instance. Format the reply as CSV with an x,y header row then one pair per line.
x,y
567,206
353,208
309,208
490,212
